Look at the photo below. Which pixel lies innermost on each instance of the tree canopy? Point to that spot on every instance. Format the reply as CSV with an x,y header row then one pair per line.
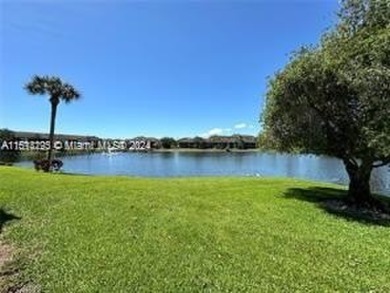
x,y
334,98
52,86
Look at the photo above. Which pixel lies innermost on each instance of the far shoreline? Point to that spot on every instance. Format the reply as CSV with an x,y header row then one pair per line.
x,y
194,150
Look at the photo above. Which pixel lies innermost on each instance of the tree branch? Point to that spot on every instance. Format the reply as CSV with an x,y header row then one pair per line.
x,y
353,161
384,163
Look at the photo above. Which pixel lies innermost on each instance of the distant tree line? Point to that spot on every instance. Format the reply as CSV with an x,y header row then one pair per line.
x,y
213,142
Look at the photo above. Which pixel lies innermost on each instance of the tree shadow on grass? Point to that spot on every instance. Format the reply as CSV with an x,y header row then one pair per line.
x,y
72,174
331,200
6,217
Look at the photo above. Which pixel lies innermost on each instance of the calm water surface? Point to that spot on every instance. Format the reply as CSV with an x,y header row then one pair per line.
x,y
259,164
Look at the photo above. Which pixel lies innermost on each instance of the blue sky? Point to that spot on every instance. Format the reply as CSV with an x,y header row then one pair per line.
x,y
155,68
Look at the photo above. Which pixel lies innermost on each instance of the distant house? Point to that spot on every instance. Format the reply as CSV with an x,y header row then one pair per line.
x,y
154,142
219,142
186,142
250,142
222,142
246,141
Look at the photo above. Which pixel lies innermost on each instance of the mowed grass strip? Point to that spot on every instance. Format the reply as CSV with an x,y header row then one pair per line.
x,y
119,234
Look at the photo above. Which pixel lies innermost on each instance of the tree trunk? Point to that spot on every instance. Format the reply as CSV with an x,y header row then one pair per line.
x,y
359,192
54,105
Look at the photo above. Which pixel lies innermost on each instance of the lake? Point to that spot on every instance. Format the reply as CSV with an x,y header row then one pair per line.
x,y
169,164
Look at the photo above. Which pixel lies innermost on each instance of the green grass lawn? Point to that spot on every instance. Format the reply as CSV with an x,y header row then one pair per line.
x,y
117,234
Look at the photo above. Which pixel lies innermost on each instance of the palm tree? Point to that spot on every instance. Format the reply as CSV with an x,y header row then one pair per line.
x,y
57,91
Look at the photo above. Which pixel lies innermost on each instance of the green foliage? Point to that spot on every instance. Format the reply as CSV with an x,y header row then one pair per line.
x,y
358,15
52,86
8,154
168,142
334,98
200,142
265,143
117,234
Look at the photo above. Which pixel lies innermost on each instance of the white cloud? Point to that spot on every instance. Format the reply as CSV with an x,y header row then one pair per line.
x,y
240,126
215,131
225,131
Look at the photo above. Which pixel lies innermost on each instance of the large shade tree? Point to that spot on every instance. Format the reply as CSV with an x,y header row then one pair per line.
x,y
58,91
334,98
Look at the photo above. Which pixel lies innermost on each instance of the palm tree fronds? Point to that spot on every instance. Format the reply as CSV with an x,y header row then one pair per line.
x,y
54,87
69,93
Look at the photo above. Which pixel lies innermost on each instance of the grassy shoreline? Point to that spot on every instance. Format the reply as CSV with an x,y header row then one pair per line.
x,y
119,234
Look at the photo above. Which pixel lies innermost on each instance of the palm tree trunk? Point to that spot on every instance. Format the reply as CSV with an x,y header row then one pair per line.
x,y
53,115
